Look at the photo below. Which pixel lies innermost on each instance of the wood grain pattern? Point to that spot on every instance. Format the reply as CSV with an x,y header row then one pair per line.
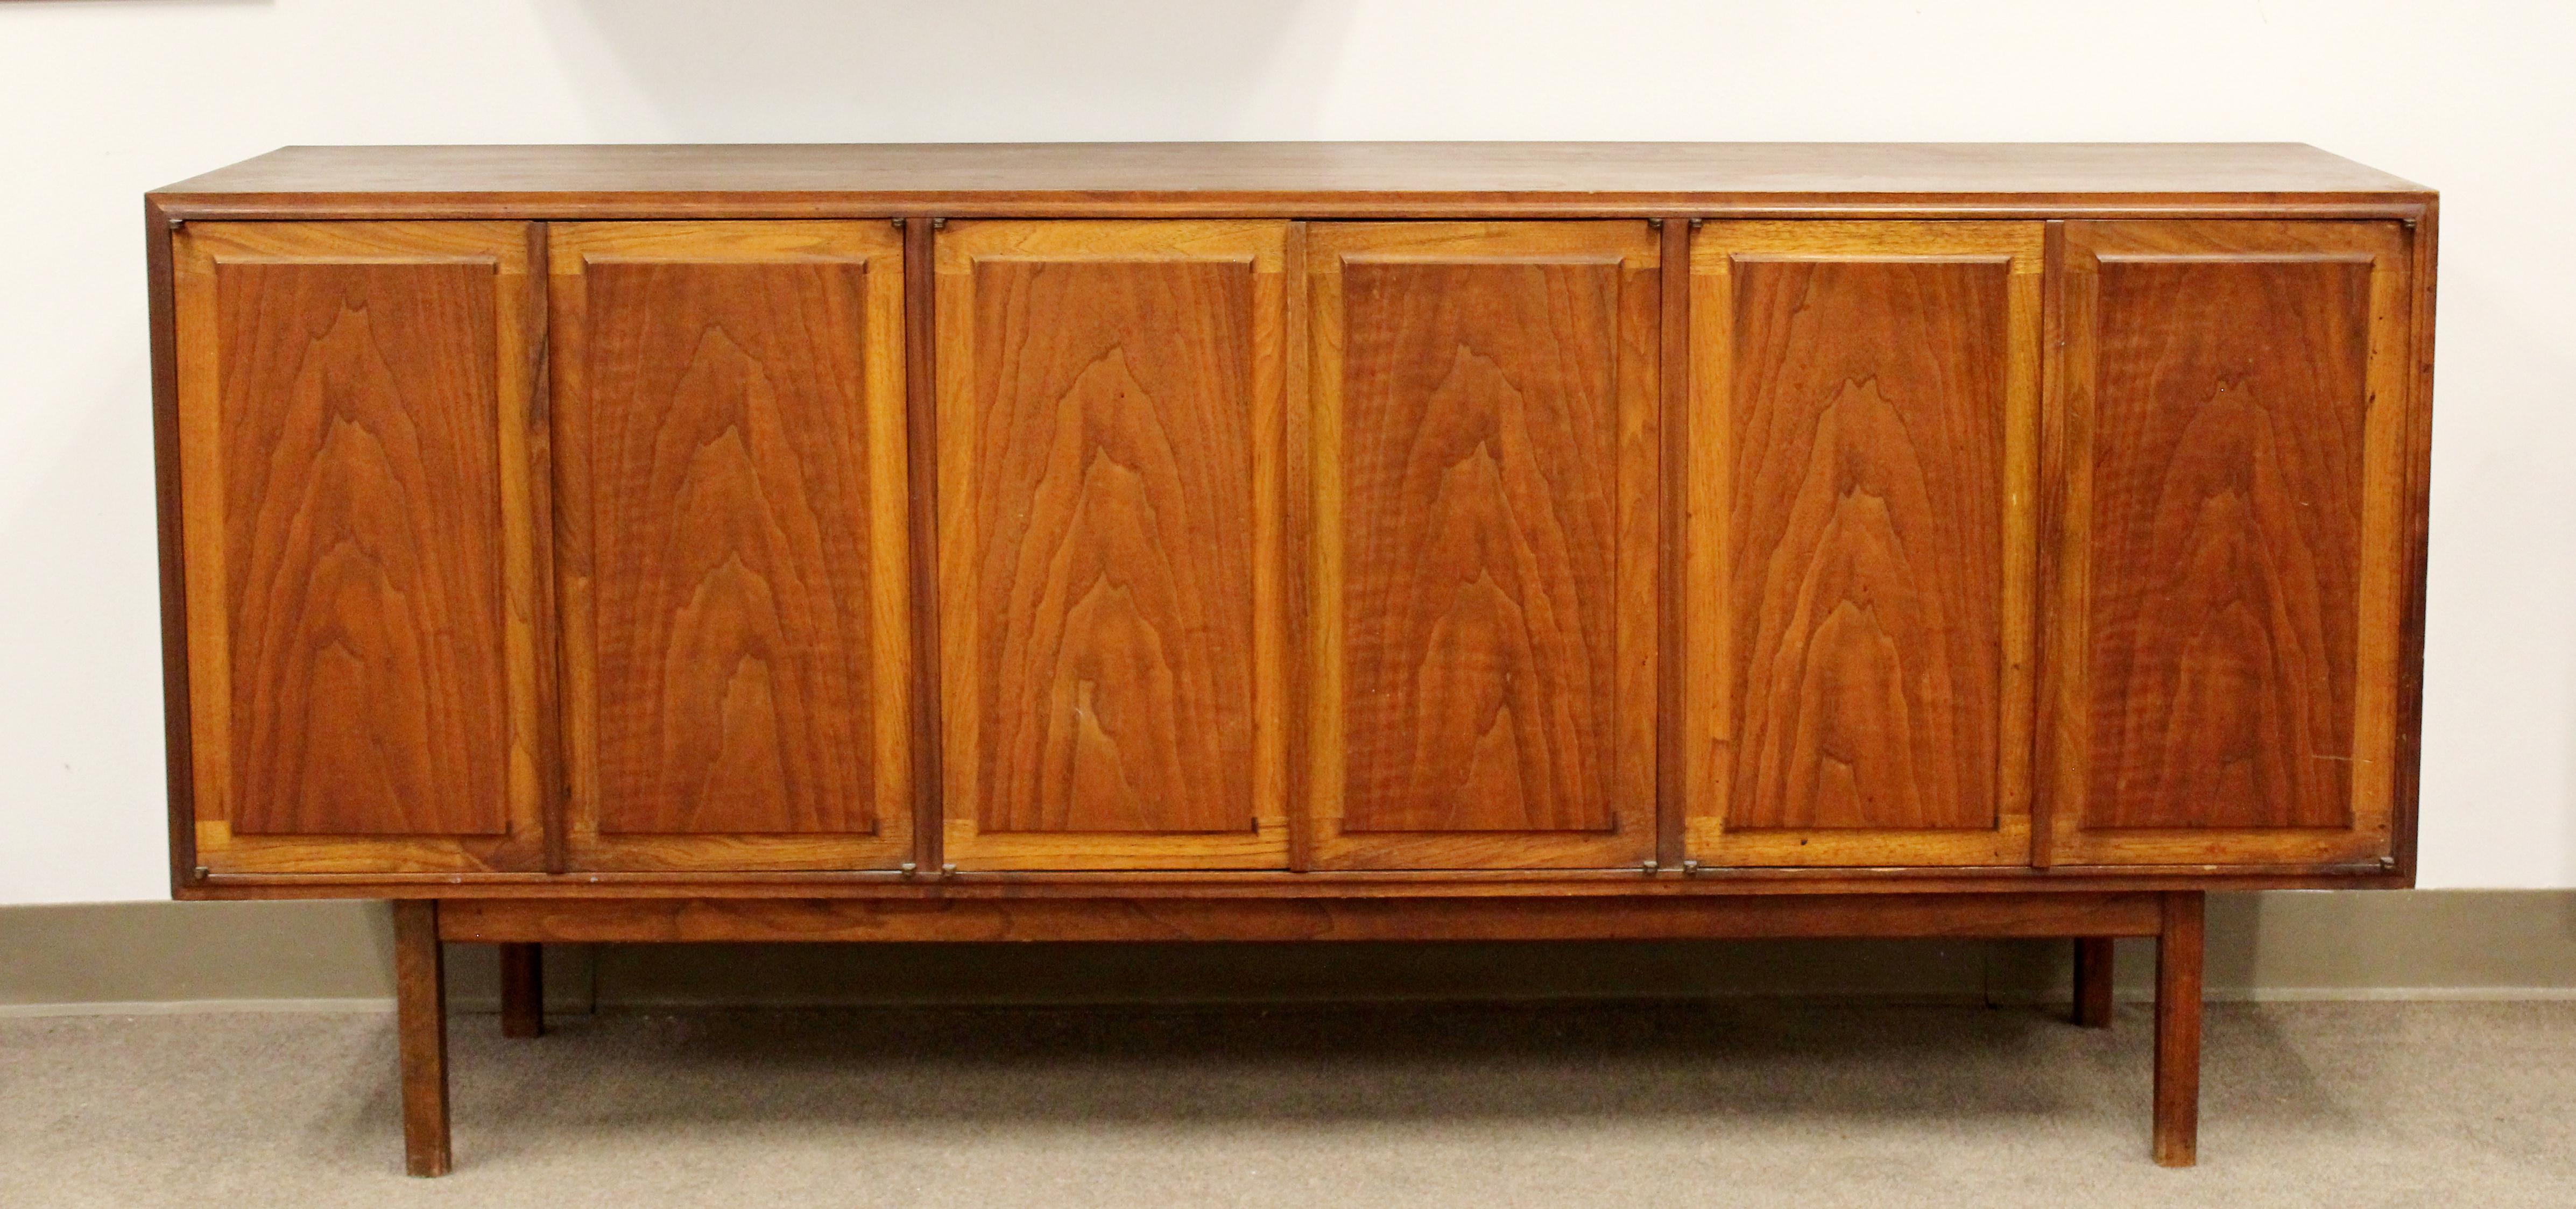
x,y
1411,182
1110,492
354,414
1597,917
1484,397
362,488
2227,477
2239,396
1860,567
730,439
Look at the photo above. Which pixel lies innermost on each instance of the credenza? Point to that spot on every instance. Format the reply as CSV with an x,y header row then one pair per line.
x,y
1269,542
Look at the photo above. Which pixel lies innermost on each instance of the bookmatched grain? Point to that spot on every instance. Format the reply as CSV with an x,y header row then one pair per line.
x,y
1487,503
361,483
730,434
1860,600
355,408
1109,424
1290,542
2239,395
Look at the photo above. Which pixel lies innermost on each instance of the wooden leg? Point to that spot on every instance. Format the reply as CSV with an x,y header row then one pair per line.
x,y
523,990
420,1013
2093,981
2178,952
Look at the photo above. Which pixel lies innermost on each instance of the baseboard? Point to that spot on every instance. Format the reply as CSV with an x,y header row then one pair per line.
x,y
159,957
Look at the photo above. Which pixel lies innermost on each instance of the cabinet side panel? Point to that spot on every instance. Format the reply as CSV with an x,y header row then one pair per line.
x,y
1114,519
1481,454
361,496
1867,527
2227,506
731,555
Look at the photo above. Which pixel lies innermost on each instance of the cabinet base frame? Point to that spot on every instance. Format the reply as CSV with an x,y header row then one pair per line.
x,y
2173,917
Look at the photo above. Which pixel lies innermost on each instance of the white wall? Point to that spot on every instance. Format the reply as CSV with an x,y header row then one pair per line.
x,y
100,101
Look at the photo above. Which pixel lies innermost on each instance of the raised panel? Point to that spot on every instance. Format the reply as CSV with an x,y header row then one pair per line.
x,y
356,479
729,433
1110,412
1860,565
2236,416
1485,504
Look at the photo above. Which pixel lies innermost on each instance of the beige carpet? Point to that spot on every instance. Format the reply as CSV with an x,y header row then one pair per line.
x,y
2342,1105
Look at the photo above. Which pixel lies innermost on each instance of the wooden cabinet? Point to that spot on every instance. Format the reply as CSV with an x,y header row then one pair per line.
x,y
360,474
732,557
1291,541
1858,589
2237,431
1485,503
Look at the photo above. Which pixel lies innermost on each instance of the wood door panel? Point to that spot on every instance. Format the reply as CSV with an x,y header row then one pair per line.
x,y
356,471
1859,571
2236,414
1109,540
1116,608
1484,396
731,427
2227,477
1868,542
362,484
1481,446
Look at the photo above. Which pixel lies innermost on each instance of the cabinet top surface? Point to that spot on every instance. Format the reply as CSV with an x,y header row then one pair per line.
x,y
1249,171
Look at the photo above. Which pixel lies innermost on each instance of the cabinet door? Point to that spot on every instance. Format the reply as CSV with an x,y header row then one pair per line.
x,y
361,497
1484,544
1859,570
1113,687
729,431
2231,562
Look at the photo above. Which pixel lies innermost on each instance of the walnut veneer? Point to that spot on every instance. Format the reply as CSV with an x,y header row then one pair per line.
x,y
1291,541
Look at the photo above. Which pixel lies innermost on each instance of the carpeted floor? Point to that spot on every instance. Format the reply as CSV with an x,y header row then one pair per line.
x,y
2341,1105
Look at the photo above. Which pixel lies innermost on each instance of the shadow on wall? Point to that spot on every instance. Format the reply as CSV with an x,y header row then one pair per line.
x,y
968,70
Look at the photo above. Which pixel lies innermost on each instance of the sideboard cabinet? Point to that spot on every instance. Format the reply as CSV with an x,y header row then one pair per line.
x,y
1290,541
